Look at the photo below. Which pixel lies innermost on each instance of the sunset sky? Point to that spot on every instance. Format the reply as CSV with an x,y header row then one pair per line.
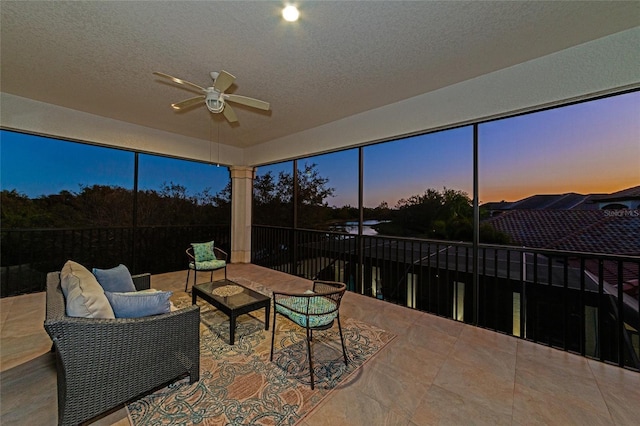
x,y
591,147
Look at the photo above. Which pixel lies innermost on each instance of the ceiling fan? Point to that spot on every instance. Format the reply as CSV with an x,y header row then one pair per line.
x,y
214,97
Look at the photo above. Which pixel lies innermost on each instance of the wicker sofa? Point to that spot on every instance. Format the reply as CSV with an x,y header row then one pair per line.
x,y
103,363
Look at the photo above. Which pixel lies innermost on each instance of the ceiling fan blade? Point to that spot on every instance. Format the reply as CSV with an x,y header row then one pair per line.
x,y
179,81
229,114
244,100
188,102
223,81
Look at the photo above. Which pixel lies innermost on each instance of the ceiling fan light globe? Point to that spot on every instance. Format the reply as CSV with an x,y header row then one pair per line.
x,y
215,105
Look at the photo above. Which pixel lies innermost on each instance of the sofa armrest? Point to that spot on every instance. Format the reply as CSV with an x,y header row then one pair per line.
x,y
142,281
103,363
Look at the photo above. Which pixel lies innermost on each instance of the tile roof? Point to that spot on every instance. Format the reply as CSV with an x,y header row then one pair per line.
x,y
497,205
568,201
610,234
594,231
626,194
591,231
548,201
629,277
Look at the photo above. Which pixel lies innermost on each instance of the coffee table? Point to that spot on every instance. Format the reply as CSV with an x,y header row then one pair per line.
x,y
243,301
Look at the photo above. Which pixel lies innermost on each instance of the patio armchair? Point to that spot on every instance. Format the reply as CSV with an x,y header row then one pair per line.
x,y
104,363
313,311
205,257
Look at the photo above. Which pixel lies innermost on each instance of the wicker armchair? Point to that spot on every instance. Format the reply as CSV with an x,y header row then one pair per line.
x,y
316,310
104,363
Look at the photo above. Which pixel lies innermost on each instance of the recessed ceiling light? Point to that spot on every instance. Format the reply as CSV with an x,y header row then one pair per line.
x,y
290,13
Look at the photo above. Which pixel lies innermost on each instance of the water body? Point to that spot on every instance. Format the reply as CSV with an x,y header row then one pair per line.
x,y
352,227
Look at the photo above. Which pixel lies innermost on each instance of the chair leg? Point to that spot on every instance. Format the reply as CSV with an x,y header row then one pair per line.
x,y
309,355
344,351
273,331
186,285
211,279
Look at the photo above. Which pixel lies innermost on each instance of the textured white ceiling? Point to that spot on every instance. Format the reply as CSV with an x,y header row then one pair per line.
x,y
339,59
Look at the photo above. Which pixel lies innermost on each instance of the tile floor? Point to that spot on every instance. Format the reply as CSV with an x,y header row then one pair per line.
x,y
436,371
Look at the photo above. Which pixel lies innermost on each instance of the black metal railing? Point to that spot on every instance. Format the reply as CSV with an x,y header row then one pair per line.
x,y
28,254
585,303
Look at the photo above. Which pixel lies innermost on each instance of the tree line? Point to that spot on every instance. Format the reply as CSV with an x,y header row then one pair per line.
x,y
446,214
113,206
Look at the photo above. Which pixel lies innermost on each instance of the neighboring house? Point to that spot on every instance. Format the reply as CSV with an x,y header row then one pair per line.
x,y
594,223
626,199
592,231
568,201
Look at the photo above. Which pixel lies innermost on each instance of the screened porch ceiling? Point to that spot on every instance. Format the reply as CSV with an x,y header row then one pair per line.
x,y
345,74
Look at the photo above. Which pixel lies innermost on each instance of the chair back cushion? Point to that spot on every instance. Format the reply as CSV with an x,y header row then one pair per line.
x,y
203,252
116,279
84,296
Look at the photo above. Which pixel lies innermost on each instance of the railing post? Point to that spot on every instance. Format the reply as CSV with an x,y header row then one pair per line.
x,y
476,230
134,222
359,246
294,236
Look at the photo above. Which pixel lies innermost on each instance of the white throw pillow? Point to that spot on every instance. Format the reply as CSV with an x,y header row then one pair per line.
x,y
85,296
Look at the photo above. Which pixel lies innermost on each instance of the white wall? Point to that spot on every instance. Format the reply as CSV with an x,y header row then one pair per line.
x,y
46,119
602,66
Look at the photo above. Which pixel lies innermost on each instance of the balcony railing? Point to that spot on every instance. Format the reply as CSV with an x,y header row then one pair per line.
x,y
28,254
583,303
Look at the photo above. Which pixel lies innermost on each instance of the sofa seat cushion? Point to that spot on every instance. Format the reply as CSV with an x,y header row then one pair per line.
x,y
116,279
139,303
84,296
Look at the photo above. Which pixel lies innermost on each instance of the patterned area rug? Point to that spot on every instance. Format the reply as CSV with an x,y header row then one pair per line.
x,y
239,385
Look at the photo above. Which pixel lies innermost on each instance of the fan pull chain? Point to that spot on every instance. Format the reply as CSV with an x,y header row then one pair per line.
x,y
210,140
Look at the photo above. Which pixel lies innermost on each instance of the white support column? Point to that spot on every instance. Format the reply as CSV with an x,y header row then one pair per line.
x,y
241,196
